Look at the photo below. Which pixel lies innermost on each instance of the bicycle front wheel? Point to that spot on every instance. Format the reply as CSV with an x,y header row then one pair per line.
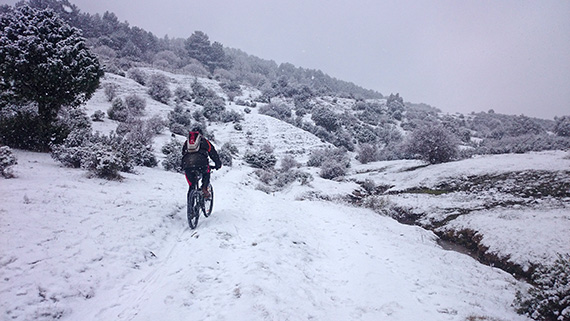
x,y
209,202
193,208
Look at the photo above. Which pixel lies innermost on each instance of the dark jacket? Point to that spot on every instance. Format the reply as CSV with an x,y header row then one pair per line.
x,y
200,158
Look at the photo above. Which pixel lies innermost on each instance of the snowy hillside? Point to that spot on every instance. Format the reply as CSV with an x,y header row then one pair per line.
x,y
80,248
90,249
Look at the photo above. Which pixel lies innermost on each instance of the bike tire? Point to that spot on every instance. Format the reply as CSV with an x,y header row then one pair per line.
x,y
193,208
209,202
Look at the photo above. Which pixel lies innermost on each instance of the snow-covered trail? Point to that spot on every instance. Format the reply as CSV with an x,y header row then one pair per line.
x,y
262,257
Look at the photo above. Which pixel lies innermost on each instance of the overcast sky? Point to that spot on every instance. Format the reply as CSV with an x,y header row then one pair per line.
x,y
512,56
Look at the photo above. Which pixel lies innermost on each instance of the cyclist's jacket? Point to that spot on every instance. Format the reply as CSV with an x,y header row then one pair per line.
x,y
200,157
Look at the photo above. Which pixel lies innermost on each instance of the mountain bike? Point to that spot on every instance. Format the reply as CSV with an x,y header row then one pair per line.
x,y
196,202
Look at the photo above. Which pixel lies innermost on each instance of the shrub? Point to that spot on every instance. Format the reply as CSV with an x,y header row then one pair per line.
x,y
330,169
226,154
523,144
158,88
103,162
118,110
379,204
325,118
156,124
279,111
173,152
367,153
181,94
202,93
7,160
262,158
230,116
136,104
433,144
562,126
214,109
98,115
26,130
106,156
110,90
332,161
549,299
318,157
179,120
137,75
288,163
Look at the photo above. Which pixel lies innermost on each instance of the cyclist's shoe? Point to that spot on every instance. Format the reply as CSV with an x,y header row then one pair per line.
x,y
205,192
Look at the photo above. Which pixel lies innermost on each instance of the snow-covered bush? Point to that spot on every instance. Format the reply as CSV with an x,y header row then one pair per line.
x,y
549,299
106,156
433,144
276,179
179,120
203,94
523,144
103,162
379,204
367,153
231,88
173,152
214,109
7,159
288,163
182,94
330,169
110,90
118,110
227,153
158,88
156,124
137,75
562,126
319,156
325,118
135,104
273,180
230,116
279,111
24,128
98,115
262,158
332,161
392,151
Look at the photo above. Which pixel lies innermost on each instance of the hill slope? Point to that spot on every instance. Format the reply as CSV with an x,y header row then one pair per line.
x,y
97,250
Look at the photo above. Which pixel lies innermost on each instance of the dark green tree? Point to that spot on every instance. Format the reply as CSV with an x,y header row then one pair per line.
x,y
212,56
198,47
44,62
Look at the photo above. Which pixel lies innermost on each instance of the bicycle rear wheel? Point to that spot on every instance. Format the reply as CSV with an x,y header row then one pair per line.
x,y
193,208
209,202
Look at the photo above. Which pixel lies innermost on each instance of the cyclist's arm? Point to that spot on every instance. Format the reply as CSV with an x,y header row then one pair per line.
x,y
214,155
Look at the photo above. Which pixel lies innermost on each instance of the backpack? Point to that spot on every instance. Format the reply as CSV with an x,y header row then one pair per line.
x,y
193,142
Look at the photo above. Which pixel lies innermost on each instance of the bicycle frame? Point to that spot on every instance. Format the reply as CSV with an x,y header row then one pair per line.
x,y
196,203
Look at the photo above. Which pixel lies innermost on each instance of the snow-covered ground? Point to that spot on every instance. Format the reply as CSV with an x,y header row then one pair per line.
x,y
79,248
90,249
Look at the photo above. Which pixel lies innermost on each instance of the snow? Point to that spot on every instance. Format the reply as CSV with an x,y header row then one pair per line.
x,y
80,248
89,249
511,231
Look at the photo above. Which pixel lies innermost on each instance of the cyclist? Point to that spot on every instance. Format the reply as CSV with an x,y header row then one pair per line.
x,y
195,153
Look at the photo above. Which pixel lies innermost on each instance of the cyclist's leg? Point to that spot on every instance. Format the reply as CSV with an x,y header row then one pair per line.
x,y
206,182
206,178
190,178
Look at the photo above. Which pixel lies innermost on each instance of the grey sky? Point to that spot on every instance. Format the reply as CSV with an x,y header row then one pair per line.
x,y
512,56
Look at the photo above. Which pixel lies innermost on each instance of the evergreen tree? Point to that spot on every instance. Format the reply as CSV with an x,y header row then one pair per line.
x,y
44,61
